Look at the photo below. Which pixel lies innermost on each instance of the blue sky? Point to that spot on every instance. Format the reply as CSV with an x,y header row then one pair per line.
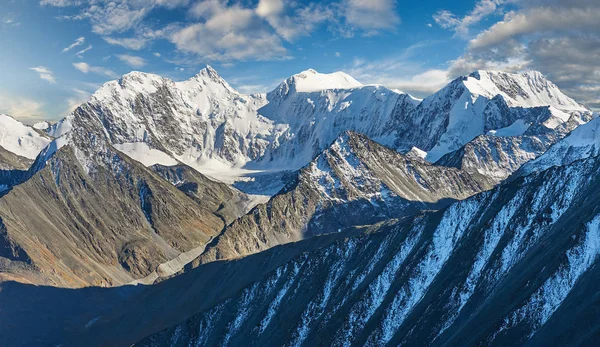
x,y
55,53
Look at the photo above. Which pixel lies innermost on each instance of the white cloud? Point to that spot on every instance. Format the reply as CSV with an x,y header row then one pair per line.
x,y
60,3
291,24
20,107
79,97
371,14
559,38
109,17
10,20
156,54
80,53
401,72
132,60
232,30
538,20
252,88
397,76
338,54
80,41
130,43
228,33
44,74
86,68
483,9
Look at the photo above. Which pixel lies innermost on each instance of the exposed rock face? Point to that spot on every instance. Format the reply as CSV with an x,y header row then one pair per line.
x,y
354,182
228,203
94,216
484,102
497,156
508,266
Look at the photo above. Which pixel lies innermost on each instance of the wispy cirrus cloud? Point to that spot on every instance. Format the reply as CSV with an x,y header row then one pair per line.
x,y
80,41
98,70
232,30
132,60
44,74
462,25
87,49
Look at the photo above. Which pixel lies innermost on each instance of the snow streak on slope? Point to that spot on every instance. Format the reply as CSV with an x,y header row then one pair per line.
x,y
529,89
140,151
544,302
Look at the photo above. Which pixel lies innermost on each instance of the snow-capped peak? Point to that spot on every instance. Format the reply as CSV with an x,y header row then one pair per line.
x,y
529,89
313,81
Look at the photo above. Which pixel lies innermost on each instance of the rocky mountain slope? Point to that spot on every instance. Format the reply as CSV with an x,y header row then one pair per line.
x,y
509,266
204,123
513,265
354,182
500,153
485,102
93,216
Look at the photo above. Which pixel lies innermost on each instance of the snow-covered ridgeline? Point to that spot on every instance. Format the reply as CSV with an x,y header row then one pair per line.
x,y
581,143
203,122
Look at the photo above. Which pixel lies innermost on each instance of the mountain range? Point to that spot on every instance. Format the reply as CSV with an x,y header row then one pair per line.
x,y
323,212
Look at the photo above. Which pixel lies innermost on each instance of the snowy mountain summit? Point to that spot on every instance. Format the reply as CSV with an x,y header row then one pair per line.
x,y
205,123
312,81
529,89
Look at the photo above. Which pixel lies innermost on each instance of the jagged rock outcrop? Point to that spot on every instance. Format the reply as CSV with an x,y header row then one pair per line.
x,y
354,182
500,153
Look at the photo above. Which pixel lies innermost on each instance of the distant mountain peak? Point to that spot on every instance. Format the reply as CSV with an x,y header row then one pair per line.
x,y
312,81
528,89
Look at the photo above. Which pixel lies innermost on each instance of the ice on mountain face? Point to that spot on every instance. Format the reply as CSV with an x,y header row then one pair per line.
x,y
141,152
515,129
206,124
491,102
60,128
21,139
